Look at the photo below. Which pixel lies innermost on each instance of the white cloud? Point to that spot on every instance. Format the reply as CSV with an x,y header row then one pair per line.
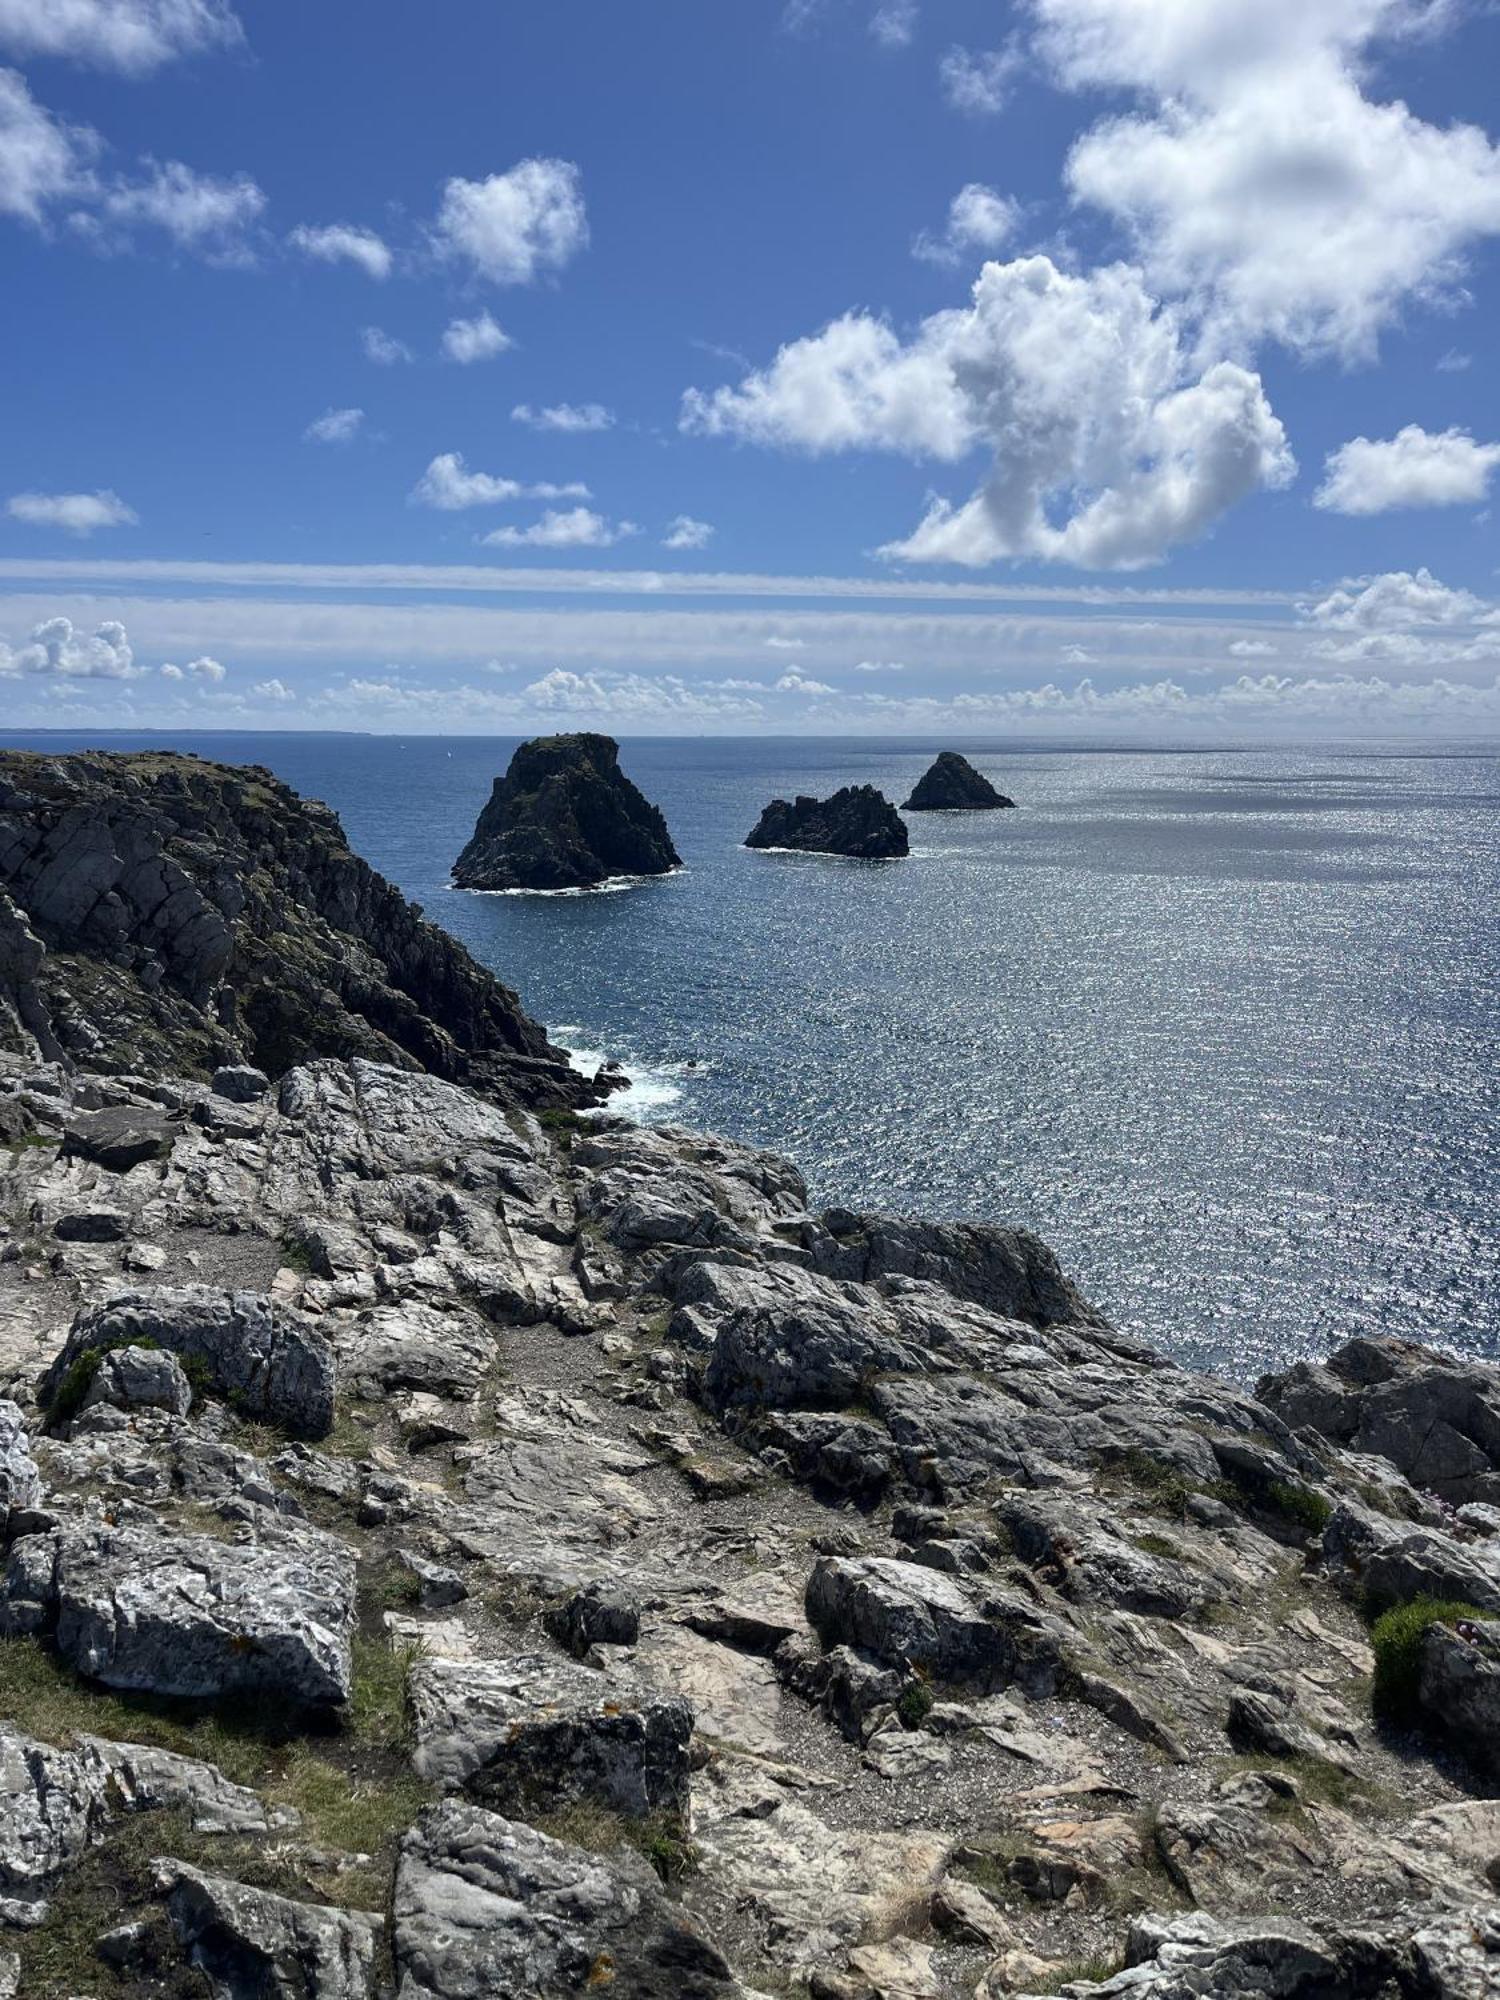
x,y
1078,384
343,243
203,669
894,23
880,667
57,648
979,81
795,683
632,697
79,513
200,212
1263,184
979,218
513,227
577,528
449,485
686,533
569,417
273,690
780,644
335,427
1397,601
1453,362
132,36
478,339
1415,468
1251,649
383,348
42,161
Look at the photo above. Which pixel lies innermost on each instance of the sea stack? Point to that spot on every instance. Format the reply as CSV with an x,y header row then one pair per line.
x,y
951,784
858,821
565,816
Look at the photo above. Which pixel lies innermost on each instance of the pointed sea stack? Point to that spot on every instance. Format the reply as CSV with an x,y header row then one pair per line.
x,y
953,785
565,816
858,821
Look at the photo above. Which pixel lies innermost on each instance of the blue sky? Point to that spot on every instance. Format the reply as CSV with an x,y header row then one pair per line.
x,y
1095,368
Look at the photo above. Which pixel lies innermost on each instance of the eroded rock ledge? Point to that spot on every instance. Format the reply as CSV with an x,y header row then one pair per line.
x,y
451,1552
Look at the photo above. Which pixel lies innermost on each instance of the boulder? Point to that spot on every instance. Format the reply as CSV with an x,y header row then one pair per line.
x,y
270,1362
598,1614
1458,1686
857,821
94,1224
908,1616
141,1378
532,1733
146,1607
240,1083
484,1906
119,1138
951,784
20,1482
564,816
247,1942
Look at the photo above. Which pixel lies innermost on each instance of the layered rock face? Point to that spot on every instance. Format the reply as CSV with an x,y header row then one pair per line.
x,y
951,784
595,1568
858,821
565,816
162,913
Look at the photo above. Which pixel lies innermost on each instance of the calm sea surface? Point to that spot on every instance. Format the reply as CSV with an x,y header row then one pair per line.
x,y
1222,1028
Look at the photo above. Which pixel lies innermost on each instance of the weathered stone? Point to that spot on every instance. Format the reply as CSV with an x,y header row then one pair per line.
x,y
484,1907
528,1733
240,1083
95,1224
248,1942
20,1482
564,816
119,1138
1458,1686
264,1357
142,1607
909,1616
140,1378
601,1614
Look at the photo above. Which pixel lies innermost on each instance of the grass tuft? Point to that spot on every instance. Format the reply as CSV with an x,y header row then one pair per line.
x,y
1397,1637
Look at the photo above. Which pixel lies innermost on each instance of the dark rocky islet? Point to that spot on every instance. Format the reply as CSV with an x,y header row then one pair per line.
x,y
951,784
858,821
565,816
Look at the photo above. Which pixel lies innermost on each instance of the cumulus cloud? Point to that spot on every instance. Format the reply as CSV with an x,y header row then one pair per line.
x,y
1262,182
42,160
477,339
1415,468
205,670
880,667
1397,601
204,213
573,528
570,417
1079,385
343,243
686,533
979,218
448,484
979,81
383,348
514,227
273,690
795,683
133,37
335,427
634,696
57,648
78,513
1251,649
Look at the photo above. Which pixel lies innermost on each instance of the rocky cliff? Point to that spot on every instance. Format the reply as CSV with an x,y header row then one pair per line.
x,y
951,784
858,821
565,816
162,913
450,1552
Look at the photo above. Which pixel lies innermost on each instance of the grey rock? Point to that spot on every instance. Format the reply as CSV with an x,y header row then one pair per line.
x,y
907,1616
120,1137
141,1378
531,1732
240,1083
144,1607
252,1945
1381,1561
20,1482
437,1587
95,1224
266,1358
1458,1686
600,1614
485,1907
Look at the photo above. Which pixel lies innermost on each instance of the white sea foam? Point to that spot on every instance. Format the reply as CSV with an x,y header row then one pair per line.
x,y
612,885
653,1087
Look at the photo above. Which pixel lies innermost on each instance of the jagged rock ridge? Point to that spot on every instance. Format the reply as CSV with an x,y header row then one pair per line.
x,y
951,784
858,821
159,912
565,816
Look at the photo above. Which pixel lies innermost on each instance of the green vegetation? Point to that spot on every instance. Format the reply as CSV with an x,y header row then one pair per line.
x,y
1302,1504
659,1836
1397,1639
295,1256
28,1141
1162,1486
1159,1545
1086,1971
67,1398
916,1704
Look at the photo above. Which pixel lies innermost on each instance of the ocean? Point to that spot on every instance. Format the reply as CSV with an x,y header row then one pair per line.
x,y
1221,1027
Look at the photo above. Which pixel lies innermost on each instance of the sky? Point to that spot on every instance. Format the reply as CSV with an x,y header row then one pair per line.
x,y
1105,370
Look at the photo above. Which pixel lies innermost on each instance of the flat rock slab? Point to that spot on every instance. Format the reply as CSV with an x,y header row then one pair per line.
x,y
120,1138
535,1732
143,1607
248,1942
906,1615
487,1909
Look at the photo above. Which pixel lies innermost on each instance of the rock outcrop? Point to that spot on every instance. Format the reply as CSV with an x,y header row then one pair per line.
x,y
858,821
158,912
565,816
533,1556
951,784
